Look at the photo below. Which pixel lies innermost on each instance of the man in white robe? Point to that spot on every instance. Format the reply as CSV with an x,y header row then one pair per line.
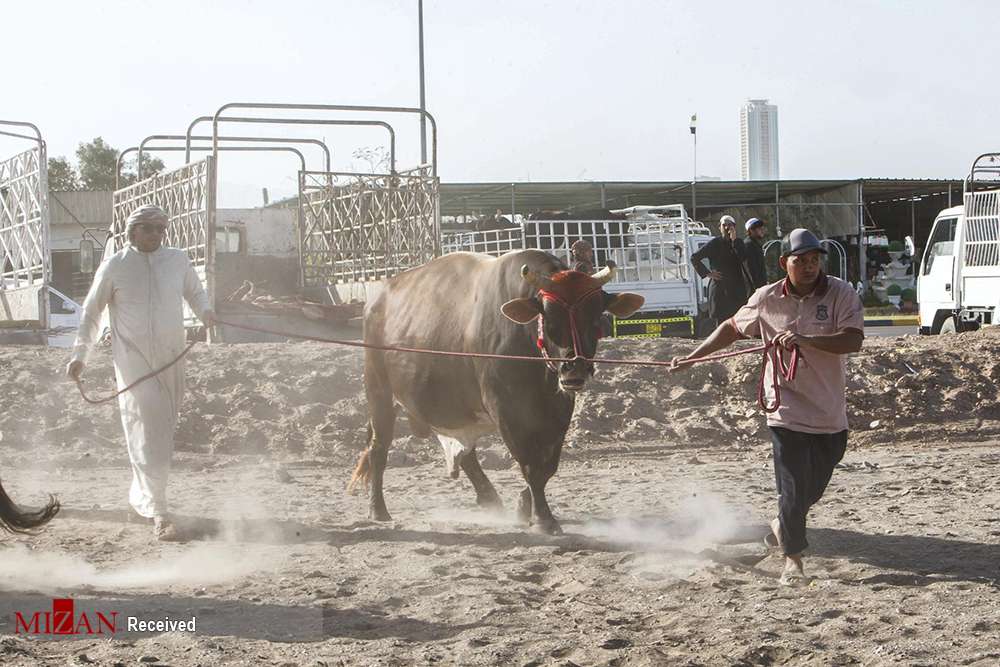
x,y
144,286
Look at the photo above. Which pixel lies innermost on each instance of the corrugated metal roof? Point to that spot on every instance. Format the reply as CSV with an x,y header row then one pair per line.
x,y
459,198
91,208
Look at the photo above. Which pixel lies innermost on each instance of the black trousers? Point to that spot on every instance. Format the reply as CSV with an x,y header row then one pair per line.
x,y
803,465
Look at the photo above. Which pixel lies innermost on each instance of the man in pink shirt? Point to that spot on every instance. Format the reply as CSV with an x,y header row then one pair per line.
x,y
824,318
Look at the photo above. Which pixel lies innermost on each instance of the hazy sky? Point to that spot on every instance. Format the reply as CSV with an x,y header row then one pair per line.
x,y
527,89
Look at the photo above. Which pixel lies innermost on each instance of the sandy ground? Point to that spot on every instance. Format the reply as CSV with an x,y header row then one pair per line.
x,y
664,492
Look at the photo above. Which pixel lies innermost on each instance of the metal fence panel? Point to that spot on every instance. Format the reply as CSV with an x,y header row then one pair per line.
x,y
24,236
359,228
187,195
643,251
982,229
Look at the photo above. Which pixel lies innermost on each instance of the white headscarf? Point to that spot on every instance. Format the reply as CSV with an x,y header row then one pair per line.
x,y
148,213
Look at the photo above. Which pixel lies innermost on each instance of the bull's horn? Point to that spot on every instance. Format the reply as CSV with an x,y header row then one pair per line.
x,y
535,279
605,275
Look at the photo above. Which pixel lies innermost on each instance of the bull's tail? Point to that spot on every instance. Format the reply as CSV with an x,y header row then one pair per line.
x,y
15,520
363,470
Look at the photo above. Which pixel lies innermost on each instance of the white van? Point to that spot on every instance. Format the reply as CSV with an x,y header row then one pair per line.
x,y
958,288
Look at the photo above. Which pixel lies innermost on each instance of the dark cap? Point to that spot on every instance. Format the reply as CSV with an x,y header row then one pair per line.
x,y
800,241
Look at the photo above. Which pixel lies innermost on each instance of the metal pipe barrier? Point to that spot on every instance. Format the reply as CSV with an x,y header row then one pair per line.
x,y
301,121
332,107
276,140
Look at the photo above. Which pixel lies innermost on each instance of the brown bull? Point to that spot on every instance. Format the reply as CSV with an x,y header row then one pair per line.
x,y
475,303
15,520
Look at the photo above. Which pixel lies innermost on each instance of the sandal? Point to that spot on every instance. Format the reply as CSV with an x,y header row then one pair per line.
x,y
165,530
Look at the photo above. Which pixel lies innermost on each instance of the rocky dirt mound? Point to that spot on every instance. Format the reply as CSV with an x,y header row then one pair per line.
x,y
295,401
909,387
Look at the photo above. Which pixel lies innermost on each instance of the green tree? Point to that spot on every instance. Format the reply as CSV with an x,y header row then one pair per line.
x,y
62,175
99,160
150,166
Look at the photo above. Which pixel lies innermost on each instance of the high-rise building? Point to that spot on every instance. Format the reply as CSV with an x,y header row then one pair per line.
x,y
759,141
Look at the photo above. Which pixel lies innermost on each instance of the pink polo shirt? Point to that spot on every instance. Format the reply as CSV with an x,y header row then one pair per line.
x,y
815,401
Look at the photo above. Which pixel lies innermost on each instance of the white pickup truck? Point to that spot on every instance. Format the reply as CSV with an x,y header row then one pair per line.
x,y
651,246
958,288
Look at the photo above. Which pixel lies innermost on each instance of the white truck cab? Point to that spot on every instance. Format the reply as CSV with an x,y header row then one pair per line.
x,y
958,287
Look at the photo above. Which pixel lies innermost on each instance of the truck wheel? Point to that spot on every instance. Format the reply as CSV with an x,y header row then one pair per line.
x,y
948,326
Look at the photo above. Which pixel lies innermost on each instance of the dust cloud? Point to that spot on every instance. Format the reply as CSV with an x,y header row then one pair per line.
x,y
199,565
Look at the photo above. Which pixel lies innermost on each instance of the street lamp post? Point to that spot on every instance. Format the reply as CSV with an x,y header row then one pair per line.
x,y
423,107
694,175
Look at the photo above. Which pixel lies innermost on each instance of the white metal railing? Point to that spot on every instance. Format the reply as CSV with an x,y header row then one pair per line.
x,y
366,227
982,228
493,242
647,250
841,257
24,220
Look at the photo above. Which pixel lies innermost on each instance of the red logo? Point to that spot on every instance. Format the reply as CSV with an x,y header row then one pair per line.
x,y
63,620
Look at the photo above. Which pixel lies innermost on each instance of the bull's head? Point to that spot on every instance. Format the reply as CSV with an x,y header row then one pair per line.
x,y
571,305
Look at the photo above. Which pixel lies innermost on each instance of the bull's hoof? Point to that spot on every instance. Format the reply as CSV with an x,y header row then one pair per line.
x,y
490,501
379,514
547,527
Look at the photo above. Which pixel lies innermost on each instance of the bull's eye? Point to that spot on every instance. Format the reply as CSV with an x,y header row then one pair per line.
x,y
557,326
559,334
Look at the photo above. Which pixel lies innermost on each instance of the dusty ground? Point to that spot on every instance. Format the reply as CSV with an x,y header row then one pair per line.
x,y
663,493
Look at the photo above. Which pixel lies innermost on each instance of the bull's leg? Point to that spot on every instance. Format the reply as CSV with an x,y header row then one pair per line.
x,y
534,432
541,516
382,411
383,426
486,495
538,464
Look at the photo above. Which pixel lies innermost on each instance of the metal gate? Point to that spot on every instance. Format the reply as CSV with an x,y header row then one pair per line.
x,y
362,228
25,264
187,195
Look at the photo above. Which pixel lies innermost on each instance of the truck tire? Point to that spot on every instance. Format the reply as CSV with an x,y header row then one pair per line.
x,y
948,326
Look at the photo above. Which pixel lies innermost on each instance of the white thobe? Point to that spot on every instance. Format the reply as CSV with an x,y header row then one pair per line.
x,y
144,293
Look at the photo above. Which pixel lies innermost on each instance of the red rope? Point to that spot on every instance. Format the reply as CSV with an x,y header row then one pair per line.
x,y
776,356
151,374
486,355
770,353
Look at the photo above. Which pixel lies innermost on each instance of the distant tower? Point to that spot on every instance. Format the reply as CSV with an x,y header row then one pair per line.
x,y
759,141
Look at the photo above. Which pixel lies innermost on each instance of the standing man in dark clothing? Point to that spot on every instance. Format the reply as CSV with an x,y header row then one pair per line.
x,y
753,251
726,291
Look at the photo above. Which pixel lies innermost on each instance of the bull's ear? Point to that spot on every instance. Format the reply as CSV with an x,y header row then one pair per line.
x,y
624,304
522,310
